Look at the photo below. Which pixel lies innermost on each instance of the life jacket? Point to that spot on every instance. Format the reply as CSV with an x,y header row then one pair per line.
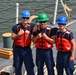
x,y
63,43
25,39
43,43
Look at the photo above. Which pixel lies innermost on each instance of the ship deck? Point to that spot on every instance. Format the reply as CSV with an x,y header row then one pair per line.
x,y
7,62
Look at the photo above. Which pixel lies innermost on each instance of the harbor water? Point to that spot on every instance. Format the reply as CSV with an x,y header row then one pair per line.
x,y
8,11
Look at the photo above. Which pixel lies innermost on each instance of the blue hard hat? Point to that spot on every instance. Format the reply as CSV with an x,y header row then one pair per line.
x,y
25,13
62,20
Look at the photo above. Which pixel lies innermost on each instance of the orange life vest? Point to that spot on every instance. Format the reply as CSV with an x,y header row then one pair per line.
x,y
63,44
25,39
43,43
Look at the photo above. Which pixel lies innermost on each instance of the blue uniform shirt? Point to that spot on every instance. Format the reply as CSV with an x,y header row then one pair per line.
x,y
54,32
14,29
42,31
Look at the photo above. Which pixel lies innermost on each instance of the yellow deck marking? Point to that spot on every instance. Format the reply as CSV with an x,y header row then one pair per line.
x,y
71,23
5,68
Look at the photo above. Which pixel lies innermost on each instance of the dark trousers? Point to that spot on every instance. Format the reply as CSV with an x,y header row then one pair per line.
x,y
47,57
23,55
64,63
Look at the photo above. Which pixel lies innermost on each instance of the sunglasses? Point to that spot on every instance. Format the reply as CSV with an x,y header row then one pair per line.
x,y
43,22
25,17
61,24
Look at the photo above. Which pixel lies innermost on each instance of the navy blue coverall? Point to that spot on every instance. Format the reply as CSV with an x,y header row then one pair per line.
x,y
44,56
62,61
22,54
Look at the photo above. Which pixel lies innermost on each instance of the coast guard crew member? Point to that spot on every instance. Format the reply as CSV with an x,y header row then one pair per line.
x,y
21,35
65,45
44,43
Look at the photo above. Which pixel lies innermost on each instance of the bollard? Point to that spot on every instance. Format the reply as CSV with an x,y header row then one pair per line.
x,y
7,41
